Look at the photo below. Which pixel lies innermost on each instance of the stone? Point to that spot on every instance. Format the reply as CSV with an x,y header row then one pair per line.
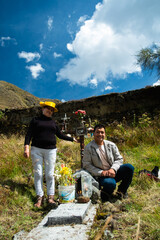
x,y
20,235
95,195
68,213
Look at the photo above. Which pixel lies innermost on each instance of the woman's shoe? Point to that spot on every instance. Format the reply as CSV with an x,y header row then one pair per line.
x,y
51,201
40,201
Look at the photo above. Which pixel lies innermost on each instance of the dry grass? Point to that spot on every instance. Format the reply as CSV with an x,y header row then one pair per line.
x,y
138,216
17,98
17,193
142,204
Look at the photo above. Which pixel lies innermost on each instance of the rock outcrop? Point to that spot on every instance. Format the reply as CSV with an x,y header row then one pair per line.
x,y
104,108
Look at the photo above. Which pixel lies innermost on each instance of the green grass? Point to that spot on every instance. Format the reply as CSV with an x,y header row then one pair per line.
x,y
139,145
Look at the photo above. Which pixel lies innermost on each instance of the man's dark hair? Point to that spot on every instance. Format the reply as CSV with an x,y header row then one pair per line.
x,y
99,126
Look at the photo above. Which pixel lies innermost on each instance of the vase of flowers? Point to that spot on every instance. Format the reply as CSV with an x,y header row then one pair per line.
x,y
81,114
66,193
66,187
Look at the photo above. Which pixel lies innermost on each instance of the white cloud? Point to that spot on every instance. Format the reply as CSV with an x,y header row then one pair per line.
x,y
70,47
82,19
57,55
93,82
35,70
29,56
106,45
50,23
157,83
3,41
108,88
62,100
41,46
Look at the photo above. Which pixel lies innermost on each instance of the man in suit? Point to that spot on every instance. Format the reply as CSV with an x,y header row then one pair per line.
x,y
103,161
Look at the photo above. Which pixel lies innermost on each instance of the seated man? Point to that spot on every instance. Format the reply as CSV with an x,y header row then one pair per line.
x,y
103,160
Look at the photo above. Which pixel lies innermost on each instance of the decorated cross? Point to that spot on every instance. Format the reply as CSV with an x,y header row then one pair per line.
x,y
64,124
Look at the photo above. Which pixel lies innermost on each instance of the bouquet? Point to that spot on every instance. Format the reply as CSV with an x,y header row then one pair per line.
x,y
80,113
64,175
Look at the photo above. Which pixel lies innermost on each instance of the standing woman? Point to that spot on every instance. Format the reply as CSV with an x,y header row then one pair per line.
x,y
42,132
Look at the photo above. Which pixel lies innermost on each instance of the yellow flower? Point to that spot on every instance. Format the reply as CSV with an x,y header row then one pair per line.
x,y
64,171
66,177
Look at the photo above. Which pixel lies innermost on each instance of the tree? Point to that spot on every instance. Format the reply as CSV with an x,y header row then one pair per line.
x,y
149,58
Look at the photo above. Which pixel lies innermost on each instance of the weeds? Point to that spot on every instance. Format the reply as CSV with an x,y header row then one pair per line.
x,y
1,115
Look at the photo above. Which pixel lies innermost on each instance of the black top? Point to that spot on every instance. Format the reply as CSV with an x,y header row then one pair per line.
x,y
43,131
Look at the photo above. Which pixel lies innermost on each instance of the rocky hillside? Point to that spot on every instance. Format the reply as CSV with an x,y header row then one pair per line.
x,y
12,97
105,109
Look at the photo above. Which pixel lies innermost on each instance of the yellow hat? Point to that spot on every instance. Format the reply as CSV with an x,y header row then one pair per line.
x,y
50,104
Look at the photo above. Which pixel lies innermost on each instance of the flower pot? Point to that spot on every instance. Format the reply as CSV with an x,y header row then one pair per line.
x,y
66,193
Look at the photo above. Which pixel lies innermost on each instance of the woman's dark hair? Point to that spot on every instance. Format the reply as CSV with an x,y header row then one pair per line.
x,y
99,126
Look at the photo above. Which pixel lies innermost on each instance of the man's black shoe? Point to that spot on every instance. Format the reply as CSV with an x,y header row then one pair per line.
x,y
105,197
121,195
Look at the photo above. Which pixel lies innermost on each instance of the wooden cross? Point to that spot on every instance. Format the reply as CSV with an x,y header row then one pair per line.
x,y
64,127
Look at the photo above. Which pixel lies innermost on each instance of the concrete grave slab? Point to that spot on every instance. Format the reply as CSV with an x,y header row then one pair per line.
x,y
75,231
68,213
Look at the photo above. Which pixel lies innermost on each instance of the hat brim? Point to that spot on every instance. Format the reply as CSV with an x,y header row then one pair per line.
x,y
45,105
55,110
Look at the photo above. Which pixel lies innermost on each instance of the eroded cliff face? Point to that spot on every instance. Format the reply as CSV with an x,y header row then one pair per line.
x,y
115,106
104,108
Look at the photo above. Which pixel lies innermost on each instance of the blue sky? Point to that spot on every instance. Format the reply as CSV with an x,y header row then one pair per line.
x,y
70,49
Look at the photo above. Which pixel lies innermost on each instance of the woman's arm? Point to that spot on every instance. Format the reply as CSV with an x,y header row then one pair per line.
x,y
28,139
26,151
60,135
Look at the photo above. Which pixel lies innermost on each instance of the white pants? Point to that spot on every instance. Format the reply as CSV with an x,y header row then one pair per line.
x,y
48,156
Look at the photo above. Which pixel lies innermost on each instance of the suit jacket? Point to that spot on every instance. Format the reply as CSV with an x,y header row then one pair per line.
x,y
91,159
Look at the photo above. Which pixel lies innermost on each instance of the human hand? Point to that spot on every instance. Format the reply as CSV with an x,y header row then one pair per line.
x,y
26,151
104,173
76,140
111,173
108,173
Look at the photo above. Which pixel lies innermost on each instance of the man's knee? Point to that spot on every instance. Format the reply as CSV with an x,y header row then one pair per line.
x,y
129,168
109,184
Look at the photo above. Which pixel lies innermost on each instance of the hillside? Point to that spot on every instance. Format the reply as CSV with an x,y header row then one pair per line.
x,y
134,218
12,97
105,108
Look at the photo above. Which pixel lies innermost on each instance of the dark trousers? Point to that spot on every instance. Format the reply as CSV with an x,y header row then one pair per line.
x,y
108,185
